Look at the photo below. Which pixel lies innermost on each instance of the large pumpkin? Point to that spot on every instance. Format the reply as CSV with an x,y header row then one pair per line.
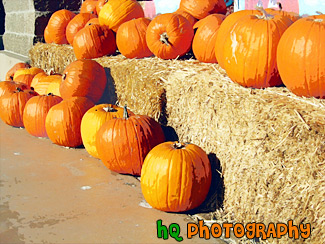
x,y
10,86
169,35
35,112
63,121
116,12
12,106
301,57
11,72
176,177
94,41
204,40
134,30
26,75
93,119
123,143
83,78
250,50
76,24
56,27
201,9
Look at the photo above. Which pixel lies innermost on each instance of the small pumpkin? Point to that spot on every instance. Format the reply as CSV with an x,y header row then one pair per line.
x,y
35,112
301,57
83,78
116,12
291,15
42,84
187,15
26,75
10,86
123,143
11,72
175,177
93,21
201,9
93,119
12,106
134,30
76,24
94,41
169,36
54,87
63,121
89,7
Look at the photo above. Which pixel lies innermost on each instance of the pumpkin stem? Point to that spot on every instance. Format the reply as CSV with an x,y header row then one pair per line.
x,y
164,38
125,112
64,76
280,5
179,145
19,89
50,94
109,109
264,15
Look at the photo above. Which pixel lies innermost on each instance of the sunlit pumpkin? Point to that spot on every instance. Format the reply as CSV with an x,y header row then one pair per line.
x,y
11,72
10,86
26,75
76,24
201,9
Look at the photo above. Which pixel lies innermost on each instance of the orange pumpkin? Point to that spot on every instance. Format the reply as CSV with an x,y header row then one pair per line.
x,y
54,87
76,24
26,75
301,57
169,35
63,121
201,9
56,27
100,5
11,72
89,7
93,119
12,106
83,78
204,40
94,41
93,21
116,12
291,15
47,35
187,15
42,84
176,177
250,50
35,112
134,30
10,86
123,143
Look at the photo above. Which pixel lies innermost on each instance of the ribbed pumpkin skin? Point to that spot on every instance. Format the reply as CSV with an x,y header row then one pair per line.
x,y
42,84
12,106
116,12
100,5
83,78
35,112
63,121
11,72
57,25
224,29
54,87
47,35
175,180
204,40
134,30
93,119
122,144
26,75
94,41
291,15
301,57
93,21
187,16
201,9
89,7
76,24
10,86
250,51
179,34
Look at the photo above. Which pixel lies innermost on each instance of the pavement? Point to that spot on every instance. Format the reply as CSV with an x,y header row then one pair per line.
x,y
52,194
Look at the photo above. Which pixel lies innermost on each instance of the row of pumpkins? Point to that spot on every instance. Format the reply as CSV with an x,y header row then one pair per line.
x,y
257,48
175,176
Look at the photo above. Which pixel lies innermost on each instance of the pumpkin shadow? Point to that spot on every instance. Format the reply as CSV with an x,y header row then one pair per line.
x,y
109,94
170,133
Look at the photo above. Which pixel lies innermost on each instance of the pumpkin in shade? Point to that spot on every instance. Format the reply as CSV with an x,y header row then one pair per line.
x,y
204,40
134,30
301,57
292,15
12,106
175,177
116,12
56,27
35,112
201,9
89,7
93,119
41,86
76,24
169,35
187,15
123,143
83,78
10,86
63,121
11,72
94,41
224,29
26,75
250,50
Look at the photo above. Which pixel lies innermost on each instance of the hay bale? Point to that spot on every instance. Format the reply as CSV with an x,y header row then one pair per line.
x,y
271,144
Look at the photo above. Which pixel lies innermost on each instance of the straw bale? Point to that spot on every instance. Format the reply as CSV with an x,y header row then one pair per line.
x,y
270,143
